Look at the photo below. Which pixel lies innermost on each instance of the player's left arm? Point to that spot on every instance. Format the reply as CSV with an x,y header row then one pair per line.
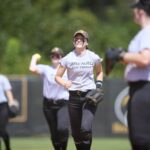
x,y
141,59
99,72
96,95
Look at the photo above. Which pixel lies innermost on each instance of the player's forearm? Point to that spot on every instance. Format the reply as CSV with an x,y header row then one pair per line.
x,y
9,96
33,64
60,81
137,59
99,74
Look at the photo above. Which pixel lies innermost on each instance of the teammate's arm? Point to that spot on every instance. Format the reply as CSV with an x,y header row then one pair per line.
x,y
58,78
141,59
33,63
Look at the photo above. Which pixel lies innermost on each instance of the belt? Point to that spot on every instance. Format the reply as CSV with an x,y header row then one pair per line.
x,y
78,93
138,83
52,101
3,103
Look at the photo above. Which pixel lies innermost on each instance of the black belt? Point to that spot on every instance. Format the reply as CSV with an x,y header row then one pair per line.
x,y
52,101
135,83
3,103
78,93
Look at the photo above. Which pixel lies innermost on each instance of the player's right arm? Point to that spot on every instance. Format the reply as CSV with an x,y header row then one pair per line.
x,y
10,97
141,59
58,78
33,63
8,91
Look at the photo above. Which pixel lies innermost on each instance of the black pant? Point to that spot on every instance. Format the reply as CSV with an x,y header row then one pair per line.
x,y
81,119
57,118
139,115
4,116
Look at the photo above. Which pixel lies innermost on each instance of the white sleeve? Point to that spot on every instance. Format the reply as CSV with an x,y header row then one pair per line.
x,y
145,41
97,59
41,68
63,62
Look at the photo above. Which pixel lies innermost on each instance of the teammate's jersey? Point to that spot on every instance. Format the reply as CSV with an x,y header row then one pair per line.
x,y
139,42
80,69
4,86
52,90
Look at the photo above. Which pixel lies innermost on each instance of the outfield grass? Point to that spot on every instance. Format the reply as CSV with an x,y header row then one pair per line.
x,y
43,143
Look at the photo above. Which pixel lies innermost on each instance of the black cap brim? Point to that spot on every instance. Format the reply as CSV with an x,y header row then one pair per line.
x,y
137,5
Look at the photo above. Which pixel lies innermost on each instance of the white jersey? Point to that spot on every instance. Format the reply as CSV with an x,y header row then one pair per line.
x,y
4,86
139,42
52,90
80,69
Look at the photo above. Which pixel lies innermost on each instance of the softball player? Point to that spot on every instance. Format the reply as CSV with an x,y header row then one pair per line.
x,y
80,64
6,99
137,74
55,98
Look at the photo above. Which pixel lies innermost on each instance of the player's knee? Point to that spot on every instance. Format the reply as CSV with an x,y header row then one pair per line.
x,y
77,138
86,135
139,144
141,147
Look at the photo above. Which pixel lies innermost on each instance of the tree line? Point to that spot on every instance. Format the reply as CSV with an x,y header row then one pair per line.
x,y
29,26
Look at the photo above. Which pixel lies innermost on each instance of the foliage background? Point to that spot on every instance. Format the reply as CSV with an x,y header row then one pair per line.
x,y
30,26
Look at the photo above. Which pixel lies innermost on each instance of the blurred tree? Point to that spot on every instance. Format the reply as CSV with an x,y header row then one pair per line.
x,y
10,57
39,25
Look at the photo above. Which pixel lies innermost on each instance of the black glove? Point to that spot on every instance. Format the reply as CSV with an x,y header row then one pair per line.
x,y
14,109
96,95
112,56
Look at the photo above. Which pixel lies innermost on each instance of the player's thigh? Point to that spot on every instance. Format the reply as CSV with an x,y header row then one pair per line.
x,y
4,113
51,118
63,117
139,114
88,117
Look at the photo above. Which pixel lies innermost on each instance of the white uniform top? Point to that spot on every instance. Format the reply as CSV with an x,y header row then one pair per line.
x,y
4,86
80,69
139,42
52,90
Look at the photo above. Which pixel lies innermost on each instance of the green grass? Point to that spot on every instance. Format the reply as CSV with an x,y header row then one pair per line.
x,y
43,143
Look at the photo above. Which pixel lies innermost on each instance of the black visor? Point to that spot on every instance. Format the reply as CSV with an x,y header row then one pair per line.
x,y
142,4
137,5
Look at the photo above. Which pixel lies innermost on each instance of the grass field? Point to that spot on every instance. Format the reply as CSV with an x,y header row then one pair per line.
x,y
43,143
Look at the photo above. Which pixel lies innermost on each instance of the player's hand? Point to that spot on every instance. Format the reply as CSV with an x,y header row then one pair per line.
x,y
67,84
13,108
36,56
13,102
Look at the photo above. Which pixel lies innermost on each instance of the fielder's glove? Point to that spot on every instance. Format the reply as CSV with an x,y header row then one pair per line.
x,y
112,56
13,109
96,95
